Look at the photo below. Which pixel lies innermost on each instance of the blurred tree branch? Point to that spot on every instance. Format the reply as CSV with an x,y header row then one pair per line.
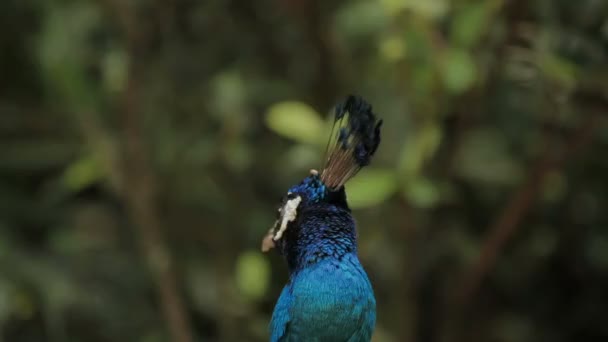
x,y
507,223
140,186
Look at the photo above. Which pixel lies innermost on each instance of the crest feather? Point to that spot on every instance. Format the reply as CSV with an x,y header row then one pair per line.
x,y
354,139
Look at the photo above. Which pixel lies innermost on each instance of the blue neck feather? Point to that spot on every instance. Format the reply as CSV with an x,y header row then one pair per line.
x,y
324,227
327,233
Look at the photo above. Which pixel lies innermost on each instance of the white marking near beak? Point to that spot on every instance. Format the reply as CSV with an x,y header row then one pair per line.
x,y
290,211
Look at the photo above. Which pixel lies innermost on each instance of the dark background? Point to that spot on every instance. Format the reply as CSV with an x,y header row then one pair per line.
x,y
144,146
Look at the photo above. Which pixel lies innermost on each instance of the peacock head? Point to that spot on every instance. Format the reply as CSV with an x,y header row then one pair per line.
x,y
354,139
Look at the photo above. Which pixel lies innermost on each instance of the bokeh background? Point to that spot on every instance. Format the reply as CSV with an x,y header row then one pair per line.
x,y
144,146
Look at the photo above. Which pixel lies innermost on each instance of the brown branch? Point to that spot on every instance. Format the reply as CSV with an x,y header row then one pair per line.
x,y
140,195
520,203
139,183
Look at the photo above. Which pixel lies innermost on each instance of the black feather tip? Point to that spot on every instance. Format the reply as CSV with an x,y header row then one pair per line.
x,y
354,140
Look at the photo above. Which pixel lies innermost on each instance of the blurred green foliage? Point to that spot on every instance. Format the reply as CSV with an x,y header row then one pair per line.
x,y
144,146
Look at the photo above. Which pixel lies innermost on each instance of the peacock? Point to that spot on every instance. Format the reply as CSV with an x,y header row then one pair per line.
x,y
328,296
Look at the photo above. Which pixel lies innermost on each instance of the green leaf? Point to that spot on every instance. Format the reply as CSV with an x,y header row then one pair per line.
x,y
432,9
422,193
82,173
371,187
252,274
558,69
469,24
115,70
393,48
419,149
360,18
297,121
458,71
229,93
63,53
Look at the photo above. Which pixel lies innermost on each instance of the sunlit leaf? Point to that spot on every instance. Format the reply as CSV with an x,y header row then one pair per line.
x,y
81,173
469,24
393,7
371,187
296,120
392,48
252,274
458,71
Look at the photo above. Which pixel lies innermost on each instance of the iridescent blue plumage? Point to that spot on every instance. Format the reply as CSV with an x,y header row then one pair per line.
x,y
312,187
329,296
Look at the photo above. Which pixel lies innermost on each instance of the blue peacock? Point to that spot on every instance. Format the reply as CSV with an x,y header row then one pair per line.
x,y
328,296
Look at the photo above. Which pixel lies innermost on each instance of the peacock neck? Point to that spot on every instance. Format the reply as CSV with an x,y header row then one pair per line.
x,y
325,232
